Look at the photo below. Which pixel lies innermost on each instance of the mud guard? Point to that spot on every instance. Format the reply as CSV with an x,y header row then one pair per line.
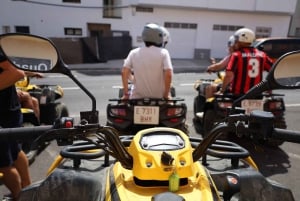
x,y
65,185
249,184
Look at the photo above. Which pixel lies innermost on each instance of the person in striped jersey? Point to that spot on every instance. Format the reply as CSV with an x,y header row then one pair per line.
x,y
246,65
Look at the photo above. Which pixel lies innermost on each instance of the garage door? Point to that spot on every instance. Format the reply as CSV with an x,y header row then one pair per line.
x,y
182,43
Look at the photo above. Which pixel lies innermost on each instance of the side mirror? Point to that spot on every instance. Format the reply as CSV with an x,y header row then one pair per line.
x,y
30,53
287,71
38,54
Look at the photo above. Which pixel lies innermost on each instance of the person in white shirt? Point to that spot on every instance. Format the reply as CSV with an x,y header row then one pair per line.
x,y
151,65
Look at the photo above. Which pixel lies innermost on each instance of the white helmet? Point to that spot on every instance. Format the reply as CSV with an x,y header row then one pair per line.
x,y
153,33
244,35
166,35
231,41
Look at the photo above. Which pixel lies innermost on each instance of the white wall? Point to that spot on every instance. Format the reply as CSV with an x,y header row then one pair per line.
x,y
287,6
47,20
50,21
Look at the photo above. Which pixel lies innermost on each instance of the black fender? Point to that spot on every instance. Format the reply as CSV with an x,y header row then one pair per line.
x,y
249,184
65,185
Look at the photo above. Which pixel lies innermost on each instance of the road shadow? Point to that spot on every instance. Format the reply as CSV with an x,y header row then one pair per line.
x,y
99,72
270,160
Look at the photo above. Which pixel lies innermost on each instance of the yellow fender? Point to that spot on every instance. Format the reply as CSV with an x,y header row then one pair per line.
x,y
55,163
22,83
251,162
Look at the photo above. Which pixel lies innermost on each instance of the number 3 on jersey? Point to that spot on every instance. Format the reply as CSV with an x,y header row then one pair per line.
x,y
254,67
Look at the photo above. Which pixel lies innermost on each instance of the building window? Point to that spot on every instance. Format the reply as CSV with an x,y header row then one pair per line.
x,y
144,9
22,29
73,31
5,29
112,9
223,27
297,31
71,1
263,32
177,25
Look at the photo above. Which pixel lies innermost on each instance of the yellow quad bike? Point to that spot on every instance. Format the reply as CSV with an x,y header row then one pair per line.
x,y
49,97
156,164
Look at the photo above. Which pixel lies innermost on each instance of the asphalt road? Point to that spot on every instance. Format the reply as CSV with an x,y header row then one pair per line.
x,y
282,164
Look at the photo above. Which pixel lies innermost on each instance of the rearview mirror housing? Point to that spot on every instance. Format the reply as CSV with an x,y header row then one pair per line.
x,y
29,53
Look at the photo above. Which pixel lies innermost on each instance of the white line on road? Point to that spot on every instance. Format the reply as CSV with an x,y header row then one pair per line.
x,y
57,76
186,84
292,155
292,105
71,88
117,87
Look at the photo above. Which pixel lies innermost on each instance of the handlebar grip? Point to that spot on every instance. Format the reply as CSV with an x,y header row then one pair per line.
x,y
286,135
23,133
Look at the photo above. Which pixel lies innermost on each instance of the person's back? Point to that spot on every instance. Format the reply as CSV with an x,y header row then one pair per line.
x,y
151,65
246,65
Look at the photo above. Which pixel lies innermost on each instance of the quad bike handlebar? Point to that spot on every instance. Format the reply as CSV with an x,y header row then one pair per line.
x,y
258,125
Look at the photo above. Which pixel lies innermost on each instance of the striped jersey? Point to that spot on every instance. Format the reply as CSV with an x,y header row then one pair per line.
x,y
247,65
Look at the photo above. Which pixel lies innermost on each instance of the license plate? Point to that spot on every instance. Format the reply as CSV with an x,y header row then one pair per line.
x,y
252,104
43,100
146,115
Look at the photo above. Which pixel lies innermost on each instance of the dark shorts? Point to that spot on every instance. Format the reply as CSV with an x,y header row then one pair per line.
x,y
8,153
9,150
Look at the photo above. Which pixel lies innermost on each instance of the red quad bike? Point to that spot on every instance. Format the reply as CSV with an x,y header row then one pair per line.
x,y
211,111
132,115
156,164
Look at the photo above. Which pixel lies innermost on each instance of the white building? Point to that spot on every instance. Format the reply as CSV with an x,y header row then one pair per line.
x,y
199,28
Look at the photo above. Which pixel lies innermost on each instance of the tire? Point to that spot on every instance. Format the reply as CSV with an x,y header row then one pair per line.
x,y
209,121
51,112
121,93
61,110
198,126
196,105
173,91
